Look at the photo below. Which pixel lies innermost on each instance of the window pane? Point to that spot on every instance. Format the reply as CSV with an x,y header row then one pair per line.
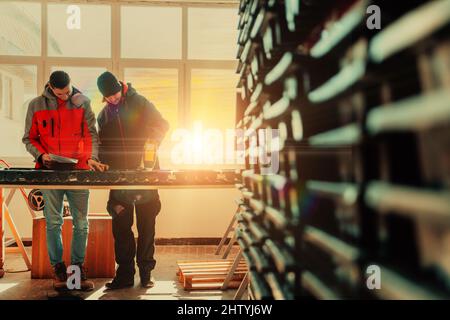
x,y
159,86
212,33
213,98
85,80
151,32
20,28
79,30
206,143
17,88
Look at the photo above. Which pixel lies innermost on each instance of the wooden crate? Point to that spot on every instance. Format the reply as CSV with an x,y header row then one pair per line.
x,y
100,259
208,274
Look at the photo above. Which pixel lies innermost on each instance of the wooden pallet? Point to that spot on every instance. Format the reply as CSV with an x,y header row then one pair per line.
x,y
208,274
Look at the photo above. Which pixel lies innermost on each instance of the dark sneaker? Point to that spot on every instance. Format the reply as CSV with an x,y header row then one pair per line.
x,y
86,285
147,281
60,276
120,283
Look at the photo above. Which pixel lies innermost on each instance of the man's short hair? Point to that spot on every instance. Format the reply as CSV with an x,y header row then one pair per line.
x,y
59,79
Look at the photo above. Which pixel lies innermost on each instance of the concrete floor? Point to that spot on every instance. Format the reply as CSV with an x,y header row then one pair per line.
x,y
19,285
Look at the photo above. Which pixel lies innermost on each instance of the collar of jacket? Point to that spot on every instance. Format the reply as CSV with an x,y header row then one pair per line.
x,y
127,90
124,93
124,89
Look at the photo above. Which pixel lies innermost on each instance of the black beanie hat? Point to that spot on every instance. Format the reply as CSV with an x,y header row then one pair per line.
x,y
108,84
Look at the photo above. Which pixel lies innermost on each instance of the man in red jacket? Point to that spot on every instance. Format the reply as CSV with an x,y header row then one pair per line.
x,y
61,122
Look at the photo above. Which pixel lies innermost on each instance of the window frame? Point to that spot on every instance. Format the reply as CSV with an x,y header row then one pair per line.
x,y
115,63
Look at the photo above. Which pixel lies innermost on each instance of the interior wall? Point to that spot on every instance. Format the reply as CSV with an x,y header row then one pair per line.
x,y
185,213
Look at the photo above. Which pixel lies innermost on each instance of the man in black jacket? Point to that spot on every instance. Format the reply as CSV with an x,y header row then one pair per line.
x,y
126,123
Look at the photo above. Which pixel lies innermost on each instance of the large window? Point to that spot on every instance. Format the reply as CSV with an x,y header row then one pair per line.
x,y
180,56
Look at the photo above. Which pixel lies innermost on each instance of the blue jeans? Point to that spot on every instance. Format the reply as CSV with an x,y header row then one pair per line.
x,y
53,213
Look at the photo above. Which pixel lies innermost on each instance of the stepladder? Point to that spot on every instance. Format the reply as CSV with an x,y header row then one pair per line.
x,y
218,274
230,229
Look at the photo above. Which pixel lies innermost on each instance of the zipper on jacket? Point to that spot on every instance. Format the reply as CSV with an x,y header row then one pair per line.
x,y
53,127
59,131
123,139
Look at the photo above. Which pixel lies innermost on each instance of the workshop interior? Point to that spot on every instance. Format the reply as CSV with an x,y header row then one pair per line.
x,y
225,150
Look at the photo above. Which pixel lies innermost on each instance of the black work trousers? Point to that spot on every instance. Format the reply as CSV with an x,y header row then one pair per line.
x,y
124,240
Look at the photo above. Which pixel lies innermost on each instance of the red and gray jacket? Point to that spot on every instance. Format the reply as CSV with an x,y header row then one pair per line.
x,y
62,128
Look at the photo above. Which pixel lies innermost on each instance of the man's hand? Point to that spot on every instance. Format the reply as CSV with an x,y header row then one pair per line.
x,y
47,161
119,209
97,166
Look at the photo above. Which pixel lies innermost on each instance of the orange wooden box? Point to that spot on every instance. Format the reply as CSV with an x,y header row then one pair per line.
x,y
99,260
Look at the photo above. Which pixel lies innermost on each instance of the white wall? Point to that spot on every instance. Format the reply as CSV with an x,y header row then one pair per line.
x,y
185,213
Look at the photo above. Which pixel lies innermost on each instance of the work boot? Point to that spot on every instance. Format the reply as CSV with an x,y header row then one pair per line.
x,y
85,284
120,282
60,276
124,278
147,281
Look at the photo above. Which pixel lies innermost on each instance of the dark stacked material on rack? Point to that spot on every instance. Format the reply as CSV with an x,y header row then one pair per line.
x,y
364,148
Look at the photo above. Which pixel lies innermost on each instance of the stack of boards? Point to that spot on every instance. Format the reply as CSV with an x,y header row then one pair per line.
x,y
209,274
